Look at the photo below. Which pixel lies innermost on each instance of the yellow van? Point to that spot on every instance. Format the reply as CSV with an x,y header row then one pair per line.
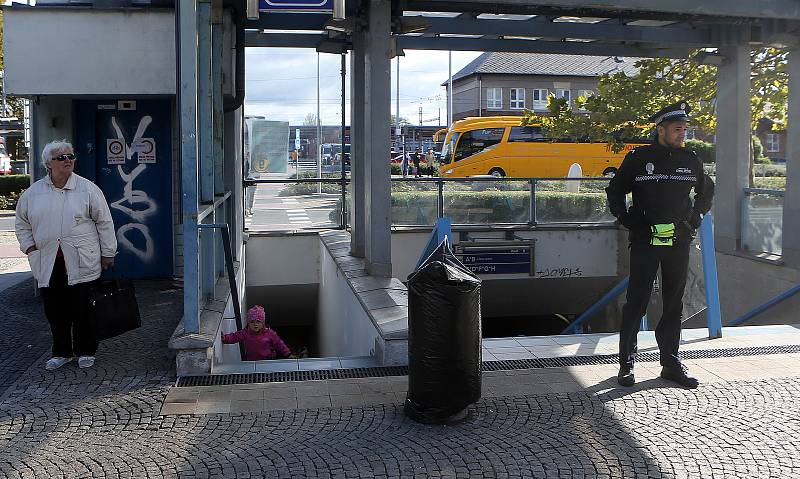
x,y
499,146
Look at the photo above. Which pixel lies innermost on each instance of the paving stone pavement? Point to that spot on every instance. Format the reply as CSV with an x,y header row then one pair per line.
x,y
106,422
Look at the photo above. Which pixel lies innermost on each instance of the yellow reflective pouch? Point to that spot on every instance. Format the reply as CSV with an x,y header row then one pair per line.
x,y
663,230
658,241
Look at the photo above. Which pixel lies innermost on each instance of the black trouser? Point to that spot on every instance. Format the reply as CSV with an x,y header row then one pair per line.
x,y
645,260
66,308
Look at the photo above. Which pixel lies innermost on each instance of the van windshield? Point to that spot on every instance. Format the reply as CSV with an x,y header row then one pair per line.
x,y
476,141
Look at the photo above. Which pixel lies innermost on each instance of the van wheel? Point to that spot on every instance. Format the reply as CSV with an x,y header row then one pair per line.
x,y
610,172
497,172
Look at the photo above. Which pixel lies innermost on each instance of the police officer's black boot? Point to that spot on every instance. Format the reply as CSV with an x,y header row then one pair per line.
x,y
625,376
680,375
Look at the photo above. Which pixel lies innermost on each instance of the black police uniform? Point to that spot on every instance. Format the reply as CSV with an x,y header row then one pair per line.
x,y
660,180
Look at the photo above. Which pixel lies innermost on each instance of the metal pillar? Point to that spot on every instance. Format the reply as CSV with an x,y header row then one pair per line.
x,y
205,130
733,145
791,202
358,158
205,101
378,114
186,54
220,215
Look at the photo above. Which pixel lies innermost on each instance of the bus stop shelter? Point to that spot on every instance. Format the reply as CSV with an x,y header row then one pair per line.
x,y
375,31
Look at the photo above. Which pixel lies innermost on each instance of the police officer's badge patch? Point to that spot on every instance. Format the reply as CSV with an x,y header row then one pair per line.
x,y
650,168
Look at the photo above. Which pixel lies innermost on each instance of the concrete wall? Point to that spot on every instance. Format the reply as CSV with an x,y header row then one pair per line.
x,y
344,325
52,120
745,283
89,52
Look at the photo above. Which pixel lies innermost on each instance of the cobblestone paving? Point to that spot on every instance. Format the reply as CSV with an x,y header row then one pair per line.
x,y
104,422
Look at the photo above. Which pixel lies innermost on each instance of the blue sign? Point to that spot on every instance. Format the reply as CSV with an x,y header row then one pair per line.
x,y
497,261
296,5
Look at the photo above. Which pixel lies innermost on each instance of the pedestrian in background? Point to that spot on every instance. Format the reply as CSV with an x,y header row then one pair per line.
x,y
417,158
404,165
662,221
64,225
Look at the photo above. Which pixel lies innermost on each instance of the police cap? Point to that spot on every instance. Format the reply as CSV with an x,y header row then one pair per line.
x,y
676,111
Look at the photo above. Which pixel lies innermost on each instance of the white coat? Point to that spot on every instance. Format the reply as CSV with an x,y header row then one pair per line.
x,y
75,218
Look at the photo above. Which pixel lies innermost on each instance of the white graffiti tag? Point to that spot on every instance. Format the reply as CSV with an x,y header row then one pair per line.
x,y
131,198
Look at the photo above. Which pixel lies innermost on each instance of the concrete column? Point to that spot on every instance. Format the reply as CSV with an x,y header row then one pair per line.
x,y
732,146
205,102
791,202
358,145
377,172
186,45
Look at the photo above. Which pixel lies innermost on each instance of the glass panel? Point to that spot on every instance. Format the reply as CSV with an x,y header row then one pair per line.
x,y
414,202
572,201
762,230
293,206
486,202
475,141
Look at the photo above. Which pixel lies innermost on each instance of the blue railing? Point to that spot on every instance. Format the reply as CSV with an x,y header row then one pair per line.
x,y
442,230
713,315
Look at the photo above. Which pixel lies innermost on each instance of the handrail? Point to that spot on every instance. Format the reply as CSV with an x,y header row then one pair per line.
x,y
441,230
713,314
763,307
765,191
226,245
577,326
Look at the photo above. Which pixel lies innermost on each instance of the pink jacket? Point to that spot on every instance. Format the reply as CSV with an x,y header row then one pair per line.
x,y
263,345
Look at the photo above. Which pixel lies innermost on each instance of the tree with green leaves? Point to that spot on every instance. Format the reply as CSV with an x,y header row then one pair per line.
x,y
619,112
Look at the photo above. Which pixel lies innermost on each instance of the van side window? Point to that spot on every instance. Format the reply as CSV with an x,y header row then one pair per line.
x,y
475,141
526,134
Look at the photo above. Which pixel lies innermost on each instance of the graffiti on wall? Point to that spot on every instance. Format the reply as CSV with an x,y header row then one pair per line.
x,y
136,204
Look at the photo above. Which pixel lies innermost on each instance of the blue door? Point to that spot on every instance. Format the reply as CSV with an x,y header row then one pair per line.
x,y
126,148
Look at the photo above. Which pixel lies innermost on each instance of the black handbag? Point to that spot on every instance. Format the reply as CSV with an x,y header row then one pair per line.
x,y
113,308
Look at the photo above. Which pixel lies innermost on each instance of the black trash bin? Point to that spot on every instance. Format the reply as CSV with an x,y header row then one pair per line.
x,y
444,339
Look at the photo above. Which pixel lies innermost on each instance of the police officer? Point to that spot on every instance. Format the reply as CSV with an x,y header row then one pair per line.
x,y
662,221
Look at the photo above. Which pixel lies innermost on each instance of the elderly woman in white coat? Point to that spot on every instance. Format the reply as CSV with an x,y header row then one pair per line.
x,y
64,225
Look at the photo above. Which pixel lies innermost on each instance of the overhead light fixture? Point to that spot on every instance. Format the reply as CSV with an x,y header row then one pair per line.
x,y
411,24
344,25
252,9
709,58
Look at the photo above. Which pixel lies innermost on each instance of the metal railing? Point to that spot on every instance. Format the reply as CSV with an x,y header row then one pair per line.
x,y
475,200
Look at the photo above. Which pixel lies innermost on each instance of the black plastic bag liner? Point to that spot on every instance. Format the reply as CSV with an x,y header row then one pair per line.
x,y
444,338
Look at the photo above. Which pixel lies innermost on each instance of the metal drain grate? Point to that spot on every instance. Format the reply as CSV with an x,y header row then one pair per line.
x,y
534,363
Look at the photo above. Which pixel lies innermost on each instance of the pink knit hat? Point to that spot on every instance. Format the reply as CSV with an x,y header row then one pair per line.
x,y
256,313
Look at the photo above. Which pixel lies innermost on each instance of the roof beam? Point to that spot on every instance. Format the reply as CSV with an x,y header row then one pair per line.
x,y
536,46
605,31
286,40
288,21
777,9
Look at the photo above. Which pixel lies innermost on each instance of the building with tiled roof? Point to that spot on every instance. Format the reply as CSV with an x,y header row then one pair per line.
x,y
501,83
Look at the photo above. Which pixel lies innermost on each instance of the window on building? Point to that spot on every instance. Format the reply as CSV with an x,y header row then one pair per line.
x,y
691,133
517,98
526,134
475,141
540,98
773,143
562,93
494,98
585,94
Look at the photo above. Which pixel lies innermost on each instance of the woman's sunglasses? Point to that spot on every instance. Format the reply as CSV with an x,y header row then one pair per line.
x,y
65,157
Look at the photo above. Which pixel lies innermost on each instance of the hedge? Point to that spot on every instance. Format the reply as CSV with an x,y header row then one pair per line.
x,y
14,184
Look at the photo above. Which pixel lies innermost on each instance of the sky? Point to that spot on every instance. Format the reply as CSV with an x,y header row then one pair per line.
x,y
282,84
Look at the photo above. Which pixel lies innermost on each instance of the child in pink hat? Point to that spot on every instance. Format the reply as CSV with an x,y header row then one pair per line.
x,y
260,342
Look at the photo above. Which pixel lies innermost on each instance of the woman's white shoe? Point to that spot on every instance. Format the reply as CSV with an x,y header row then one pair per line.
x,y
56,362
85,362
